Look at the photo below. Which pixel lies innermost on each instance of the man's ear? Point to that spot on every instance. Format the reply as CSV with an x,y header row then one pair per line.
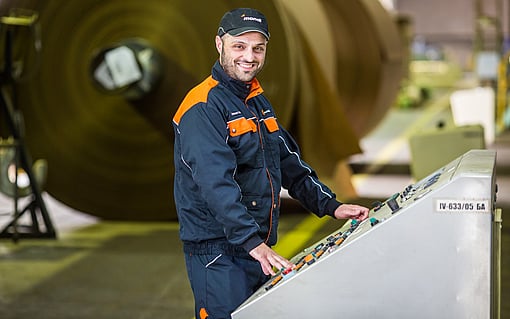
x,y
219,44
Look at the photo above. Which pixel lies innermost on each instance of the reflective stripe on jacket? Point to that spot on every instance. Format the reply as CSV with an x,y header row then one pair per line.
x,y
231,160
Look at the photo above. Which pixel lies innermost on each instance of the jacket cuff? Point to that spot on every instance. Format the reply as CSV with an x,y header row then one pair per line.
x,y
252,242
331,206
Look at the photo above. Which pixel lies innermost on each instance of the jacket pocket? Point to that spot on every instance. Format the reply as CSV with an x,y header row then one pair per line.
x,y
241,126
252,202
257,209
271,124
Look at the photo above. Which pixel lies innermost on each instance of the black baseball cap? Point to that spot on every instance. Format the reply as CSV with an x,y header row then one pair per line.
x,y
242,20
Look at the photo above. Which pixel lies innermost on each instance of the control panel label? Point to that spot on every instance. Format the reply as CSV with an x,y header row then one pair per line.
x,y
462,206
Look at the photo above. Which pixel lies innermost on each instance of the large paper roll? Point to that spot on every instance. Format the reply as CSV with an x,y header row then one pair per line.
x,y
107,133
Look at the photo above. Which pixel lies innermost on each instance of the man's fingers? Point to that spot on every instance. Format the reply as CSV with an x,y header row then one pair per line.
x,y
268,259
267,268
279,262
283,263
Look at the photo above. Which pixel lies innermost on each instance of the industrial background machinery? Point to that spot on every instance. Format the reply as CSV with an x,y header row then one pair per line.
x,y
102,79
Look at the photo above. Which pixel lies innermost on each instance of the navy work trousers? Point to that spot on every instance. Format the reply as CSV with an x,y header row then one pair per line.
x,y
221,281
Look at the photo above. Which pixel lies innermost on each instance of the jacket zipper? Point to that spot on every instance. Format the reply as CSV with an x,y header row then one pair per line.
x,y
273,205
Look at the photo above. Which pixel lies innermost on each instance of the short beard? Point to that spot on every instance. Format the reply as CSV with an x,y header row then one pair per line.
x,y
230,69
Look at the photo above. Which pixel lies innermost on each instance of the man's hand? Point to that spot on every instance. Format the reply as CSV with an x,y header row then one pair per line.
x,y
350,211
268,259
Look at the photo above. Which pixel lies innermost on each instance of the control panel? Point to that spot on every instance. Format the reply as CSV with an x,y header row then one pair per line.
x,y
425,252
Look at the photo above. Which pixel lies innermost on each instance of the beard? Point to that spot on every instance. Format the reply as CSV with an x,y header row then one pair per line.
x,y
234,70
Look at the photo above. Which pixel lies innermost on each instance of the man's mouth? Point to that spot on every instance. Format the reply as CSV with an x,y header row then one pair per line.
x,y
247,66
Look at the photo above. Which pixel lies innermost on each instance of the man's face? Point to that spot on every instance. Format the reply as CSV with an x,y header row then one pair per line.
x,y
242,57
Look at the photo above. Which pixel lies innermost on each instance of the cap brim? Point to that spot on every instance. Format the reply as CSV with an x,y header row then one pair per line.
x,y
239,31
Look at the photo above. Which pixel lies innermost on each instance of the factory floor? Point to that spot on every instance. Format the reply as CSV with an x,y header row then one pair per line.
x,y
106,270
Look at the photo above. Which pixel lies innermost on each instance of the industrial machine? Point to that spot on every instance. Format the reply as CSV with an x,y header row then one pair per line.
x,y
102,79
429,251
437,147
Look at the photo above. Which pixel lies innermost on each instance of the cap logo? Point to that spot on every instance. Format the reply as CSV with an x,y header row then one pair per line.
x,y
245,18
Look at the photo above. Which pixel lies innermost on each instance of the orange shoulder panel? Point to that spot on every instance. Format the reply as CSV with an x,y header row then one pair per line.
x,y
196,95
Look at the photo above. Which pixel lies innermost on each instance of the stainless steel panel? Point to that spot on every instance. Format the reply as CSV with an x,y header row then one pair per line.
x,y
428,255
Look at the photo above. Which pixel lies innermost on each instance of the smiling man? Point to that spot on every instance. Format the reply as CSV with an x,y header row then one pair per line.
x,y
232,158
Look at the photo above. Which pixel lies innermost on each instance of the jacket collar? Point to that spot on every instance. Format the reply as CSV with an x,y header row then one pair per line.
x,y
241,89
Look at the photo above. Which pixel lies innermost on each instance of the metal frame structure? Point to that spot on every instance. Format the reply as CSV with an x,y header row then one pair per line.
x,y
36,206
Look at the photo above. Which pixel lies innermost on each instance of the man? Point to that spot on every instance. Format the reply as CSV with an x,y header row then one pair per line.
x,y
231,160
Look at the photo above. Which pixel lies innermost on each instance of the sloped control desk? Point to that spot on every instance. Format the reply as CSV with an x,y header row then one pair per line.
x,y
426,252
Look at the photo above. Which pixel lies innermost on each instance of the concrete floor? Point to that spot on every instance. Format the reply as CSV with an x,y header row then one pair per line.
x,y
99,269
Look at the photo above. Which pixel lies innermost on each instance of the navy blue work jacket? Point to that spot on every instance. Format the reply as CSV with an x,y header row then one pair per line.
x,y
231,160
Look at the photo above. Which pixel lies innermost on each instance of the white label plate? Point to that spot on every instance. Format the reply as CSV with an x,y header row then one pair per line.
x,y
462,206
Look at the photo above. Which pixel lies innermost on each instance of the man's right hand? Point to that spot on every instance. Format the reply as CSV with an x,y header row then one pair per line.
x,y
268,259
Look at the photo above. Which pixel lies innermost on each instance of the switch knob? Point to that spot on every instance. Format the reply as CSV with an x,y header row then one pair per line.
x,y
393,204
